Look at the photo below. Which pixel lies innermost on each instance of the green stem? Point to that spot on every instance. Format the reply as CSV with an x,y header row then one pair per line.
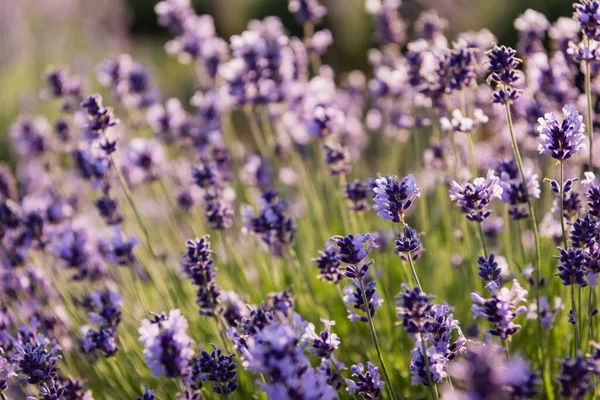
x,y
482,236
413,270
426,359
507,347
574,308
561,200
590,124
376,341
536,236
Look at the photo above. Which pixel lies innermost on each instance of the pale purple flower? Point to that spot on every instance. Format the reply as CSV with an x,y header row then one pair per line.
x,y
563,139
393,198
475,197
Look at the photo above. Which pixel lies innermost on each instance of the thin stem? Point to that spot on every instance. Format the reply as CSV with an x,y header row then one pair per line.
x,y
426,359
590,124
482,236
561,200
507,347
536,235
414,271
574,308
376,341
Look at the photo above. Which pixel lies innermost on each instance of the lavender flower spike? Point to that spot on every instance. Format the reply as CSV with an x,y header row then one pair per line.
x,y
392,198
561,140
474,197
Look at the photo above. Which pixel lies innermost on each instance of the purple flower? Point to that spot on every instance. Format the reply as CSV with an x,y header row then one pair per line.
x,y
323,344
532,25
587,12
564,139
217,368
575,378
414,308
367,383
337,158
475,197
34,363
513,190
353,296
572,268
502,65
488,269
167,348
307,10
353,250
329,264
197,263
408,241
392,198
148,394
104,311
391,29
30,136
172,14
357,193
501,309
273,226
547,313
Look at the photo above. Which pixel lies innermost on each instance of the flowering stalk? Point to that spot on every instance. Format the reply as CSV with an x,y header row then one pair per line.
x,y
389,386
588,95
562,204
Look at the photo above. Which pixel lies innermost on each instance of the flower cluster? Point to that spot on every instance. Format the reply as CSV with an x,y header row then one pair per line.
x,y
475,197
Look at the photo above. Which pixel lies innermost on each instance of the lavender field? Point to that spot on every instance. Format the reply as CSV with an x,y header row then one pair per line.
x,y
242,219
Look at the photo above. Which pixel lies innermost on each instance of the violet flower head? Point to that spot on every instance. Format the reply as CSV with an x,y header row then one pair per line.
x,y
167,347
367,383
572,268
357,194
408,241
561,140
575,378
329,264
489,270
513,190
584,232
35,363
197,263
353,297
307,10
324,343
104,310
218,369
587,13
414,308
393,198
501,309
172,14
502,64
390,28
353,251
475,197
532,25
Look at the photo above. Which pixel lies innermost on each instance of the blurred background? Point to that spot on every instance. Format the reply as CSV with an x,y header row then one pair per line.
x,y
80,33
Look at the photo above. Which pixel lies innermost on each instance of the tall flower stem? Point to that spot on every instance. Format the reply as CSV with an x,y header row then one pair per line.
x,y
590,124
574,308
482,236
426,359
414,271
388,385
536,235
561,200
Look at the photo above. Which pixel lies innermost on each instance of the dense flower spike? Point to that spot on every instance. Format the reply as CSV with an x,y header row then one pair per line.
x,y
502,64
475,197
561,140
572,268
353,296
501,309
489,270
414,307
167,347
105,311
329,264
575,378
393,198
587,13
367,384
218,369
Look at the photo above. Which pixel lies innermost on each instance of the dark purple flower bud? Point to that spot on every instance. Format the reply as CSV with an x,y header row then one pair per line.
x,y
408,242
34,363
99,118
390,27
502,64
219,214
414,308
572,268
574,378
584,233
148,394
337,158
217,368
488,269
572,317
353,249
357,193
532,26
329,264
281,303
